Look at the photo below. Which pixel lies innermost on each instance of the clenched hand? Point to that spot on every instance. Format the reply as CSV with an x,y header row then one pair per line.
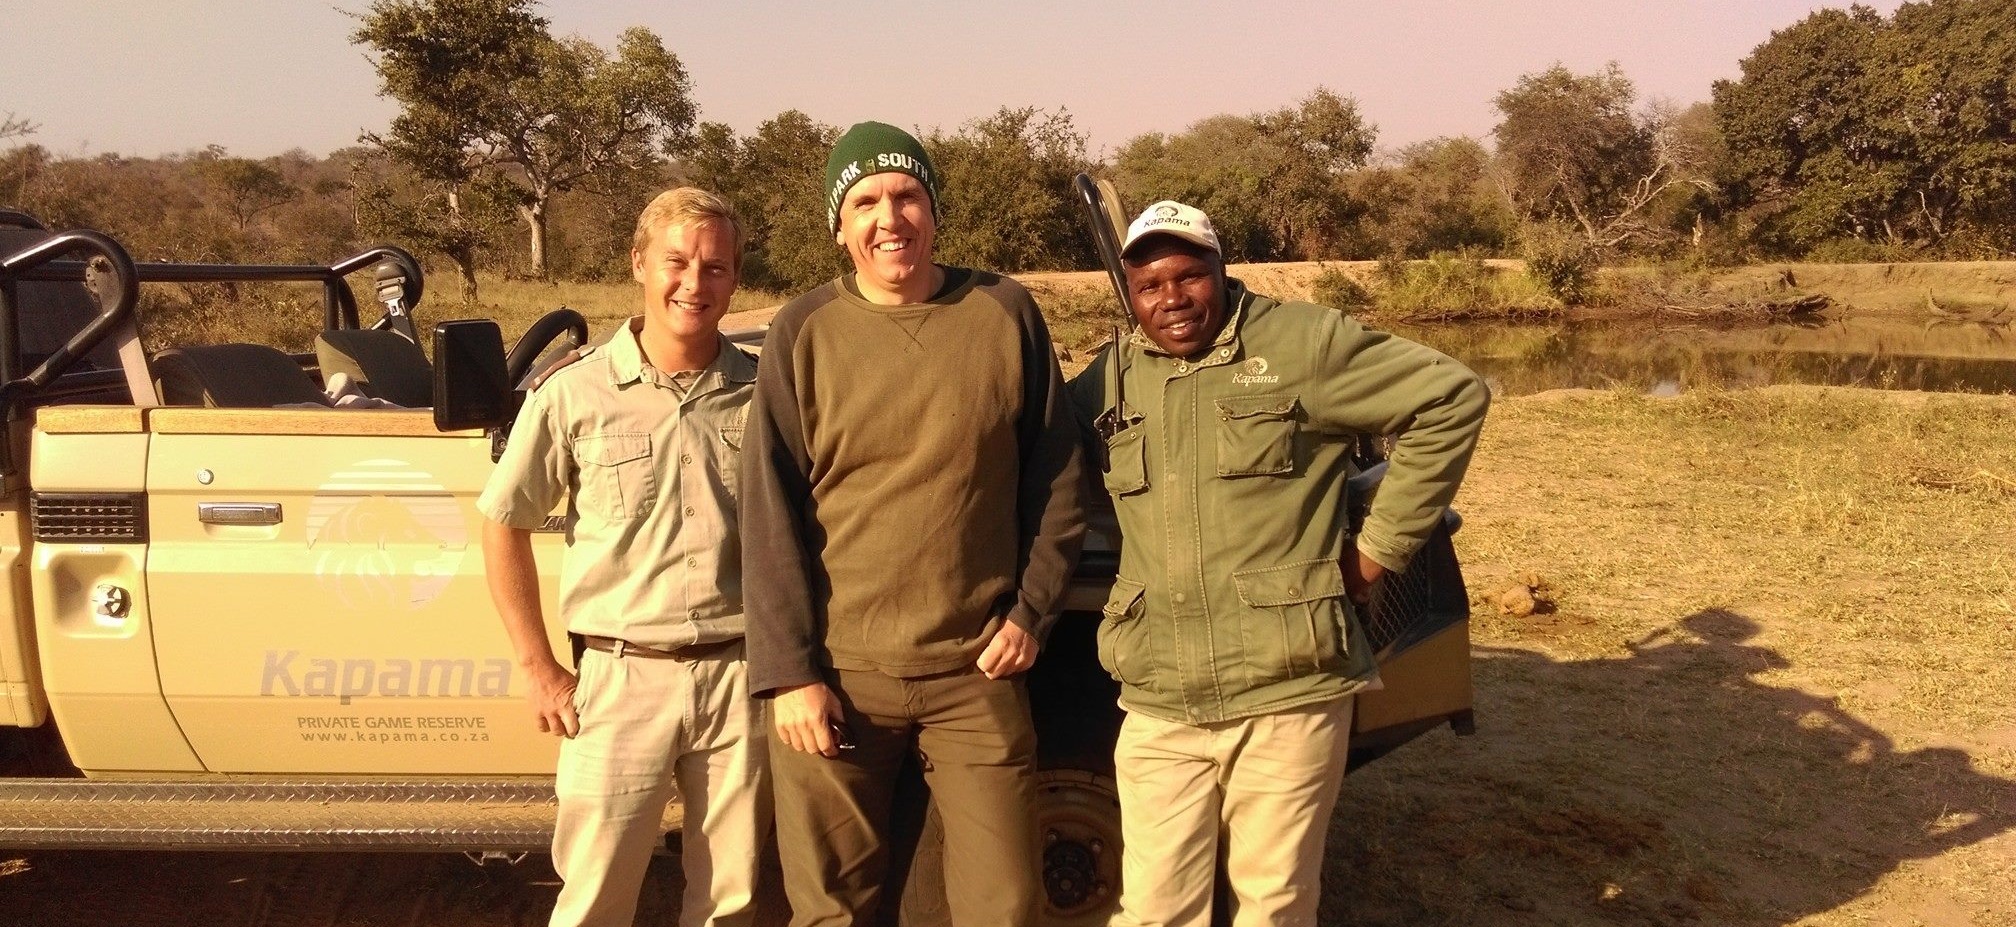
x,y
804,717
1011,651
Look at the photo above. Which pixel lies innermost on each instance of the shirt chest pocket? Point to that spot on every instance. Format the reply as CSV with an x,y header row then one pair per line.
x,y
1256,435
1126,462
619,477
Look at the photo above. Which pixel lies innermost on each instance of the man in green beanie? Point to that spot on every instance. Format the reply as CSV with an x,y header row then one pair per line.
x,y
911,515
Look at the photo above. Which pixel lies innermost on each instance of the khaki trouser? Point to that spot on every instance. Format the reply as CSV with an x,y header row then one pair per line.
x,y
650,727
978,751
1264,785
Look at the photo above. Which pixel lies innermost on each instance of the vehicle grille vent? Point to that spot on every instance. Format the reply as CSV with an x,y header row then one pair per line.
x,y
77,516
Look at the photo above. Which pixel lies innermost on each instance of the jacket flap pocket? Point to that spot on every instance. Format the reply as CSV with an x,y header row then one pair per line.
x,y
1250,406
1306,581
1125,593
612,448
1126,462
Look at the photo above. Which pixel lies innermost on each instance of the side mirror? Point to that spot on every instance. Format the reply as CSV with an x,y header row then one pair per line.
x,y
471,389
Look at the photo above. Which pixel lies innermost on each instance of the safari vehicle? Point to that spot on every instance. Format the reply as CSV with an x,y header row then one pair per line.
x,y
237,618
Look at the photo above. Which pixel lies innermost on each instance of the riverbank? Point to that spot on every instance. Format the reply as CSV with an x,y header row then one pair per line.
x,y
1081,306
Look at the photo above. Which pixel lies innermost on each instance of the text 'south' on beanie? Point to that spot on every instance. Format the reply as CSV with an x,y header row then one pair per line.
x,y
873,148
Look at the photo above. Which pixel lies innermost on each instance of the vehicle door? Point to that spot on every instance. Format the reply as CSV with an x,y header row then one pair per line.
x,y
318,599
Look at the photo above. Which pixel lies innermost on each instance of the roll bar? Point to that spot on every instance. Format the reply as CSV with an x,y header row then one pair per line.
x,y
110,277
339,308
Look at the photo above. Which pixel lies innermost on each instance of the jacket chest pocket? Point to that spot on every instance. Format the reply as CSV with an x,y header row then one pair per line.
x,y
619,478
1298,625
1127,462
1256,435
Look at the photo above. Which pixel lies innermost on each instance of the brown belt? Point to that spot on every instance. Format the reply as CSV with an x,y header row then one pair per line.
x,y
623,648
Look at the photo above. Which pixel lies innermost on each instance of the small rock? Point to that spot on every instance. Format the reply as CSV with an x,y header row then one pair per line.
x,y
1516,601
1518,903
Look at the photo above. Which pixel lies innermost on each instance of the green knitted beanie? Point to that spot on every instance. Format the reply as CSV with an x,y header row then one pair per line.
x,y
872,148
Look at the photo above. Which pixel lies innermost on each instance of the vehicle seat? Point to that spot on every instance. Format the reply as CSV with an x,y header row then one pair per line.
x,y
233,376
381,362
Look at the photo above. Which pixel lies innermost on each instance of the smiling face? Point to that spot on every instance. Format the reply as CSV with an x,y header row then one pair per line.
x,y
1175,290
689,271
887,228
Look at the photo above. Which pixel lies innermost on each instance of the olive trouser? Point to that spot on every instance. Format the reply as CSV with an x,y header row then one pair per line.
x,y
650,727
975,742
1264,785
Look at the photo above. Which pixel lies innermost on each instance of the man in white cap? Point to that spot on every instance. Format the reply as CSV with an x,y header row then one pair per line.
x,y
1232,626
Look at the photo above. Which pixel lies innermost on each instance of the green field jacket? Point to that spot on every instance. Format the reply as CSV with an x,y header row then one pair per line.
x,y
1229,486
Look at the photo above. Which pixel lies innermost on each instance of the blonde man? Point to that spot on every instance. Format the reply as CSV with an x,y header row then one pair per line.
x,y
642,438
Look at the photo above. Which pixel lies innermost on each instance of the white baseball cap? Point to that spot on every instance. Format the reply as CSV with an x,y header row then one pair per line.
x,y
1172,218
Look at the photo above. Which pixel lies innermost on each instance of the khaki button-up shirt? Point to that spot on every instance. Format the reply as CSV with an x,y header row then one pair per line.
x,y
648,472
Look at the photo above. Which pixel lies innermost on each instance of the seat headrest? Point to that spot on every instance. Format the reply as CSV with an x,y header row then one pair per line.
x,y
381,362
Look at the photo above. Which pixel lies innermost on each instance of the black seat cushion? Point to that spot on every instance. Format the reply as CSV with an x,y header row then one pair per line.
x,y
232,376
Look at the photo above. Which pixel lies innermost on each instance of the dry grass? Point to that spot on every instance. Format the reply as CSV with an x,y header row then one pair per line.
x,y
1775,688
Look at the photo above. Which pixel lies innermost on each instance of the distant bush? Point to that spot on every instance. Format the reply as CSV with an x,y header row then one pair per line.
x,y
1337,289
1447,288
1560,261
1862,251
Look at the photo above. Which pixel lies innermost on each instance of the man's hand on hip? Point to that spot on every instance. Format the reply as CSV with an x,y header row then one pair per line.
x,y
1360,572
1011,651
805,716
552,699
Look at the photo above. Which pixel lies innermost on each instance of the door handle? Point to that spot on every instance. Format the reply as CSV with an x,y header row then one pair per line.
x,y
238,513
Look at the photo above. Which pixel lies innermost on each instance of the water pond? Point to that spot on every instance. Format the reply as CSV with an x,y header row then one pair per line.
x,y
1883,352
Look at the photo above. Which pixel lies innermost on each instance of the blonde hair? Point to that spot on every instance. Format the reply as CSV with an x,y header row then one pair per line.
x,y
687,206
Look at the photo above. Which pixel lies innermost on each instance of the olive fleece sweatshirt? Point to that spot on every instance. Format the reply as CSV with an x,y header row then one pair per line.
x,y
910,479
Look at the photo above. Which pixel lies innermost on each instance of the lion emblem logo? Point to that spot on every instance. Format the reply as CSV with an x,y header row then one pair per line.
x,y
1256,366
1165,212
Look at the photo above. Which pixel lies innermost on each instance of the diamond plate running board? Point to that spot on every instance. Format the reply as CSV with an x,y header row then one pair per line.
x,y
299,814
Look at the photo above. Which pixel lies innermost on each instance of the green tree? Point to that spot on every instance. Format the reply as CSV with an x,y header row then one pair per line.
x,y
241,187
484,87
1277,185
1900,131
1008,203
458,220
1436,197
1571,151
773,178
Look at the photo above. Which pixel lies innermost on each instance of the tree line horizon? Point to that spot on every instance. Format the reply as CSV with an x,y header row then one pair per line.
x,y
1850,136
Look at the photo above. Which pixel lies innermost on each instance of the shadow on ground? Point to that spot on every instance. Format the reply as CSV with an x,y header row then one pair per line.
x,y
1666,787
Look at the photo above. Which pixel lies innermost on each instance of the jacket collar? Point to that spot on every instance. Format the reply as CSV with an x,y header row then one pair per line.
x,y
1237,297
627,364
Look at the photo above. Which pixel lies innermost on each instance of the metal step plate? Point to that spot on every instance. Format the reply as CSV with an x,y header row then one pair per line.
x,y
294,814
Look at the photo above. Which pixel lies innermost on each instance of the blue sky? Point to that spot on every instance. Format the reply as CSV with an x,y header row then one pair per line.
x,y
262,76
